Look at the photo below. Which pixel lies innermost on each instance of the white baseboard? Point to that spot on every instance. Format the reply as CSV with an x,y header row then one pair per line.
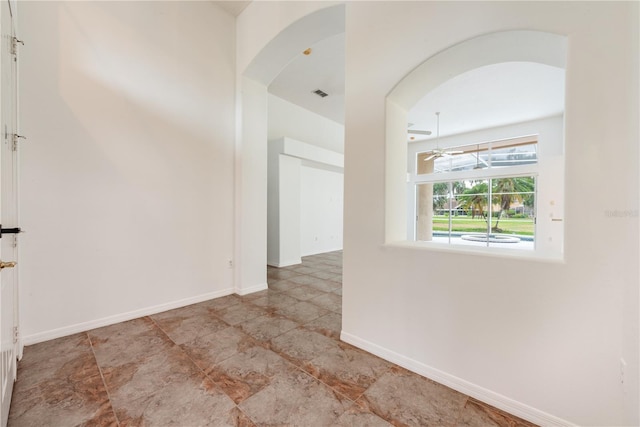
x,y
482,394
322,251
123,317
252,289
285,263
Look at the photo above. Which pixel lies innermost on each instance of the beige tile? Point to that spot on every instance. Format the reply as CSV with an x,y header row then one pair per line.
x,y
304,293
300,345
302,312
295,399
405,398
248,372
192,401
478,414
239,313
358,417
57,402
184,325
211,349
266,327
127,342
147,375
329,325
328,301
347,369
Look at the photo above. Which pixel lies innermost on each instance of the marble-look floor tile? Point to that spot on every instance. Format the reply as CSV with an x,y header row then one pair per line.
x,y
304,293
65,347
404,398
295,399
274,301
325,285
56,402
281,274
209,350
300,345
359,417
305,280
239,313
192,401
248,372
347,369
283,285
222,302
329,325
302,312
266,327
478,414
186,324
328,301
147,375
127,342
60,366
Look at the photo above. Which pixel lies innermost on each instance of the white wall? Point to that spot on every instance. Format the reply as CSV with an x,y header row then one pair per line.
x,y
127,180
308,225
305,192
291,121
321,201
546,346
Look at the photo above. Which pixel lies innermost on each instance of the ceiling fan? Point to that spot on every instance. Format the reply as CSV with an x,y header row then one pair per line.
x,y
440,152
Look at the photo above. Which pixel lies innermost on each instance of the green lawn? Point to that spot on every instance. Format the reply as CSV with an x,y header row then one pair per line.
x,y
479,225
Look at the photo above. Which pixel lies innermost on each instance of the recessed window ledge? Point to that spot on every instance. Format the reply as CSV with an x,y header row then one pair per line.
x,y
481,251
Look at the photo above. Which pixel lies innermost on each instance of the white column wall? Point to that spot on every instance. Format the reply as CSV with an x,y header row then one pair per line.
x,y
543,340
127,179
291,121
321,210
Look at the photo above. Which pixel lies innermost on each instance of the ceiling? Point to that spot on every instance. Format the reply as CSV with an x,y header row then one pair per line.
x,y
485,97
491,96
234,7
322,69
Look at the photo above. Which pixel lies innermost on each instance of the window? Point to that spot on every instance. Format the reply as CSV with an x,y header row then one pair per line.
x,y
478,195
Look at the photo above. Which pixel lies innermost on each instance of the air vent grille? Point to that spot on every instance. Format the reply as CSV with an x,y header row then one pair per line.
x,y
321,93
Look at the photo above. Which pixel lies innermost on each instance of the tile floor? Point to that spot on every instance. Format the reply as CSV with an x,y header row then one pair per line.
x,y
270,358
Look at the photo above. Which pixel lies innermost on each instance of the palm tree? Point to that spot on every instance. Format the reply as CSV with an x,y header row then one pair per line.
x,y
506,190
475,199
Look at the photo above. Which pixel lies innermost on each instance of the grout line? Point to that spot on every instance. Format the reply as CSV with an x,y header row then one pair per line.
x,y
113,409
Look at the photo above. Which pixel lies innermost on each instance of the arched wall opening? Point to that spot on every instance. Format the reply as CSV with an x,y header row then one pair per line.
x,y
494,48
251,147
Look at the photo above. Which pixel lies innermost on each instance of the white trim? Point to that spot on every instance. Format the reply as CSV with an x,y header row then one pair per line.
x,y
497,400
538,255
323,251
123,317
502,172
252,289
285,264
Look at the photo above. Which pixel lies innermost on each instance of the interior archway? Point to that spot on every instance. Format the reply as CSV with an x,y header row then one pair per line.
x,y
251,166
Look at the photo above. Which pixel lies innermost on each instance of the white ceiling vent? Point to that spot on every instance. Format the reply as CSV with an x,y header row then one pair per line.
x,y
321,93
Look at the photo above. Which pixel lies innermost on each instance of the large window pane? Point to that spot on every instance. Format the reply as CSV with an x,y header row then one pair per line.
x,y
513,218
499,212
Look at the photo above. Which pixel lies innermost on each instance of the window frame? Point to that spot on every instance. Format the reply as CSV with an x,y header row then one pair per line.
x,y
489,173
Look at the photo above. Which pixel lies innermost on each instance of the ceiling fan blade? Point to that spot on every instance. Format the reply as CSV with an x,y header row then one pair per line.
x,y
419,132
454,151
430,157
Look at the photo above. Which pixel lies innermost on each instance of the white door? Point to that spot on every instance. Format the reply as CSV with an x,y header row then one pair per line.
x,y
8,207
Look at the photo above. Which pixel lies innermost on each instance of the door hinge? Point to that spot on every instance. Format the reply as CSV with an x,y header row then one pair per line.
x,y
16,137
15,334
14,45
